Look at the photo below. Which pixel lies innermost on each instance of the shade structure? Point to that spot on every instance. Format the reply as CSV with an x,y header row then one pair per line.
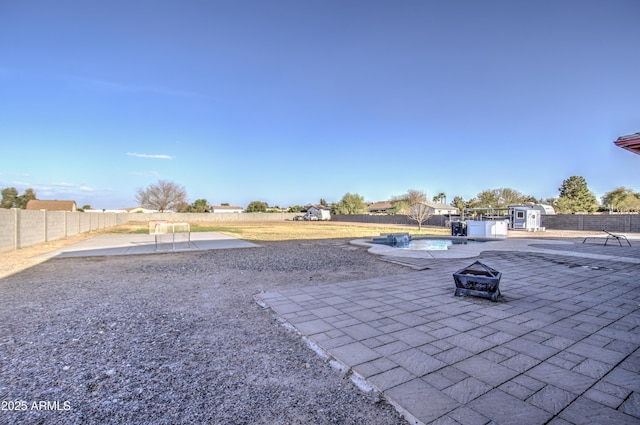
x,y
630,143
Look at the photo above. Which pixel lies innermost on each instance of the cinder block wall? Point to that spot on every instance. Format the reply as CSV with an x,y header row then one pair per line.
x,y
21,228
73,223
55,226
593,222
8,229
31,227
85,223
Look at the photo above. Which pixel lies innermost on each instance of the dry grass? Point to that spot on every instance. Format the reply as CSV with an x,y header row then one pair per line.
x,y
291,230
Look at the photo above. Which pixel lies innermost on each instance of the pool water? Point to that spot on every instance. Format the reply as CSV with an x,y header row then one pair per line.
x,y
434,244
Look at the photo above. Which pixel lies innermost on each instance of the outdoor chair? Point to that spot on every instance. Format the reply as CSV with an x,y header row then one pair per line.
x,y
610,235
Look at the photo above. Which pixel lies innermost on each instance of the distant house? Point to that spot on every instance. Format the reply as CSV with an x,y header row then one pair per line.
x,y
119,211
37,205
437,208
139,210
222,209
381,207
387,207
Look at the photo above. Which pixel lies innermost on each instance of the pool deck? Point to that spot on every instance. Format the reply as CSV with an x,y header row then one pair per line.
x,y
561,345
132,244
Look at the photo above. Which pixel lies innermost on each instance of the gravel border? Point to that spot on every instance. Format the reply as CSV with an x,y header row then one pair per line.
x,y
176,338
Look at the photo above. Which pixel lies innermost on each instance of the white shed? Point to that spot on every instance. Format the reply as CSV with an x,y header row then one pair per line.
x,y
318,212
525,218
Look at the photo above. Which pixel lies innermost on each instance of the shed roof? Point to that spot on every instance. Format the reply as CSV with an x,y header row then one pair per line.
x,y
630,142
54,205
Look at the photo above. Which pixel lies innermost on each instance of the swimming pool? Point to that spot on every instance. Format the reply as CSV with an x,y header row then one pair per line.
x,y
435,244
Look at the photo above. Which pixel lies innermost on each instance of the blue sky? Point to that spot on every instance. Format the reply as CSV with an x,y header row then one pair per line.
x,y
292,101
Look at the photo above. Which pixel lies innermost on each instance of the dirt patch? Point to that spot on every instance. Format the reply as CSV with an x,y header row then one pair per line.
x,y
177,338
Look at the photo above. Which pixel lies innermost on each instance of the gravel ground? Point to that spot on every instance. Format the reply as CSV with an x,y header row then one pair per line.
x,y
174,339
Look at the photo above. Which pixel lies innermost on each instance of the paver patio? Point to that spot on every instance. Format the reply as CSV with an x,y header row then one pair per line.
x,y
560,346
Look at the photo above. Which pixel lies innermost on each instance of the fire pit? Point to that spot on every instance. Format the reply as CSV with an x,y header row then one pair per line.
x,y
478,280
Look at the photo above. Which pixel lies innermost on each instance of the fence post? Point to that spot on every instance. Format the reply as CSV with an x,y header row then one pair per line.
x,y
44,225
16,230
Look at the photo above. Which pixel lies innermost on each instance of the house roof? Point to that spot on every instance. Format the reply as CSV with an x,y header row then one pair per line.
x,y
37,204
225,207
440,206
138,210
380,205
630,142
318,207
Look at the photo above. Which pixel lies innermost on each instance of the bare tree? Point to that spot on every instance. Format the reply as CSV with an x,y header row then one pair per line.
x,y
419,213
162,196
414,202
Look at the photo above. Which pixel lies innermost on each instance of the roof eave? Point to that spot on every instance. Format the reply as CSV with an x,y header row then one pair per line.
x,y
630,143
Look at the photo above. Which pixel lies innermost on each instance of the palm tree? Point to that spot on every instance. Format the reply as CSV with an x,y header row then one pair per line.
x,y
440,197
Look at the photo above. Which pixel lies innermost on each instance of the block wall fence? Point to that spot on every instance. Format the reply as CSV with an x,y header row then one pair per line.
x,y
21,228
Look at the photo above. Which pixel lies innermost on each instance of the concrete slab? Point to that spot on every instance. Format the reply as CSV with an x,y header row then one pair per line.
x,y
132,244
562,344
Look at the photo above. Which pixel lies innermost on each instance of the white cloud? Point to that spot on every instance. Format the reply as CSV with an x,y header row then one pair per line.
x,y
65,185
145,173
145,155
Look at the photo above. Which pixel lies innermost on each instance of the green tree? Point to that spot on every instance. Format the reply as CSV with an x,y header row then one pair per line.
x,y
9,196
199,206
403,203
575,196
498,198
351,203
323,202
631,203
621,200
257,206
11,199
22,200
458,202
163,196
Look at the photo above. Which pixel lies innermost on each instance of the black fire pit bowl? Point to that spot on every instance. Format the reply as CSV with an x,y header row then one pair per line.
x,y
478,280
